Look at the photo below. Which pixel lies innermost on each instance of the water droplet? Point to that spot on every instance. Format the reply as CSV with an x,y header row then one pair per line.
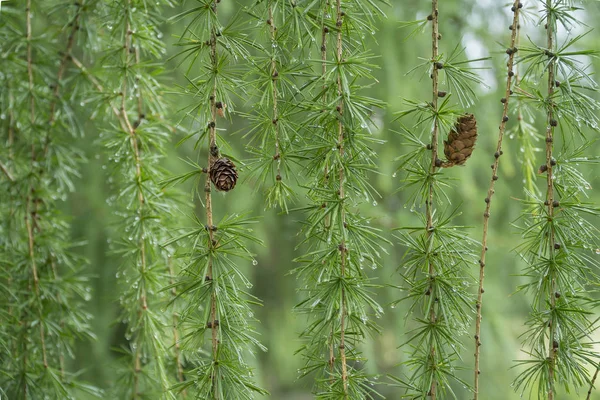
x,y
374,203
254,262
597,251
394,175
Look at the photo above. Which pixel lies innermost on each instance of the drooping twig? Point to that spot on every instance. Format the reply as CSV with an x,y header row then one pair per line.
x,y
324,32
589,393
275,92
6,172
342,247
61,71
551,123
31,213
100,89
213,153
490,193
175,330
435,163
127,47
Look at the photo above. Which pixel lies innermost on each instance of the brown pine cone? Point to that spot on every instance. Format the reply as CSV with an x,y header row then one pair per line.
x,y
223,174
461,141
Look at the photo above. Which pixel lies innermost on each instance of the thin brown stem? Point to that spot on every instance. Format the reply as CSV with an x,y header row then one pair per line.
x,y
30,65
61,71
6,172
342,247
213,153
490,193
11,119
133,139
31,214
324,32
434,164
175,330
589,393
100,89
275,94
551,123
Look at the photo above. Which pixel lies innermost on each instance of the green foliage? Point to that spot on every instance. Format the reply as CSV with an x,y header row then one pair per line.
x,y
109,107
216,315
435,267
557,228
43,281
134,143
338,296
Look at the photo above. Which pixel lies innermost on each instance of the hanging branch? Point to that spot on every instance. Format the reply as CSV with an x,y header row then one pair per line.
x,y
213,154
523,130
146,211
436,264
324,32
176,343
589,393
556,230
142,296
511,51
45,296
434,164
61,69
338,299
550,162
275,95
342,194
32,202
273,127
210,291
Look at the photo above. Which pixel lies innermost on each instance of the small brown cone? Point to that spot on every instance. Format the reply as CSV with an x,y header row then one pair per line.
x,y
223,174
461,141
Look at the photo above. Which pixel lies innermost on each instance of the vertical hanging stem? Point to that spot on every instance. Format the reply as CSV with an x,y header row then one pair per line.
x,y
127,46
589,393
324,32
490,193
213,152
342,247
61,70
175,330
275,93
31,213
434,164
552,343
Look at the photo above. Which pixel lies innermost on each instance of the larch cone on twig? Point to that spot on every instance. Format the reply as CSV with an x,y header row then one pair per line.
x,y
461,141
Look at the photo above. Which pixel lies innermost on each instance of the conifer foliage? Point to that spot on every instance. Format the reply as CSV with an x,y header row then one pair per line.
x,y
559,227
217,335
130,94
291,83
435,266
340,243
43,284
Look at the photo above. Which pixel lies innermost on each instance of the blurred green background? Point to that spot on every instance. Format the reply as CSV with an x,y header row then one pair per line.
x,y
482,28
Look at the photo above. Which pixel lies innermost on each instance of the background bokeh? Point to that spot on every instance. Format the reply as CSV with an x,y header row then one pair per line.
x,y
481,27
